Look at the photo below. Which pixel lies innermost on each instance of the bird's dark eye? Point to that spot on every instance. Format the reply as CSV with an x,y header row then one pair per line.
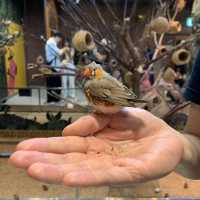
x,y
94,71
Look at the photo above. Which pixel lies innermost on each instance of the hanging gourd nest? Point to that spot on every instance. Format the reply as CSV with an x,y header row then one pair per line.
x,y
181,57
180,4
169,75
83,41
159,25
40,60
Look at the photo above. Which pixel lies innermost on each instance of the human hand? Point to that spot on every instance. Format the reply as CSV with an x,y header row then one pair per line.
x,y
65,62
64,50
128,147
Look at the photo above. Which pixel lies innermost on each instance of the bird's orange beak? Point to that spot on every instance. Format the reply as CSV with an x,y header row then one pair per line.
x,y
87,72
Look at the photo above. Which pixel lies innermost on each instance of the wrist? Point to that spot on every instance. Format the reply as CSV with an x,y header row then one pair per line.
x,y
187,150
190,162
62,51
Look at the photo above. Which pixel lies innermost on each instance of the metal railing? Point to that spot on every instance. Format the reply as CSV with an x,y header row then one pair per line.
x,y
36,97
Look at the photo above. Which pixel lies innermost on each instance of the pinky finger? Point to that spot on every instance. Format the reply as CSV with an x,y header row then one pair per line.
x,y
98,177
48,173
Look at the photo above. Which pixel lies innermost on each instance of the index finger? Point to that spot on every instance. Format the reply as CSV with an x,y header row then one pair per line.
x,y
87,125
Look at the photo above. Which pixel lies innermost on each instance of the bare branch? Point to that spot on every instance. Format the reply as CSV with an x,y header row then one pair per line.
x,y
100,16
134,52
175,110
124,66
133,9
179,46
155,39
125,12
111,11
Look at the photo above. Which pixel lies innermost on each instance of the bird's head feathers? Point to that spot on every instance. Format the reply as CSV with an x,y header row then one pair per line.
x,y
93,71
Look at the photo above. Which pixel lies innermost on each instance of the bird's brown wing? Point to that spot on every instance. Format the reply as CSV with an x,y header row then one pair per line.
x,y
97,91
111,91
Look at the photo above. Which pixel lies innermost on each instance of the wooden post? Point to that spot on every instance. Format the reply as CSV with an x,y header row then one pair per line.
x,y
51,16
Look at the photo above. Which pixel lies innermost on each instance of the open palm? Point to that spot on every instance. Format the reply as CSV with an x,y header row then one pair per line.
x,y
128,147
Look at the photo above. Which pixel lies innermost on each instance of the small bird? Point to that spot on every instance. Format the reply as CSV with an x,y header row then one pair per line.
x,y
105,93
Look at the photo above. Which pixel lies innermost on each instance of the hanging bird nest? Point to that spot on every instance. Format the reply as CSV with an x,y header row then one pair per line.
x,y
181,57
113,63
162,50
175,26
83,41
169,75
180,4
40,60
159,25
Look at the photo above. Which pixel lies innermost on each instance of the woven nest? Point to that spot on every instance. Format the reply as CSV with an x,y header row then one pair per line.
x,y
169,75
180,4
162,50
83,41
113,63
160,25
181,57
40,60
